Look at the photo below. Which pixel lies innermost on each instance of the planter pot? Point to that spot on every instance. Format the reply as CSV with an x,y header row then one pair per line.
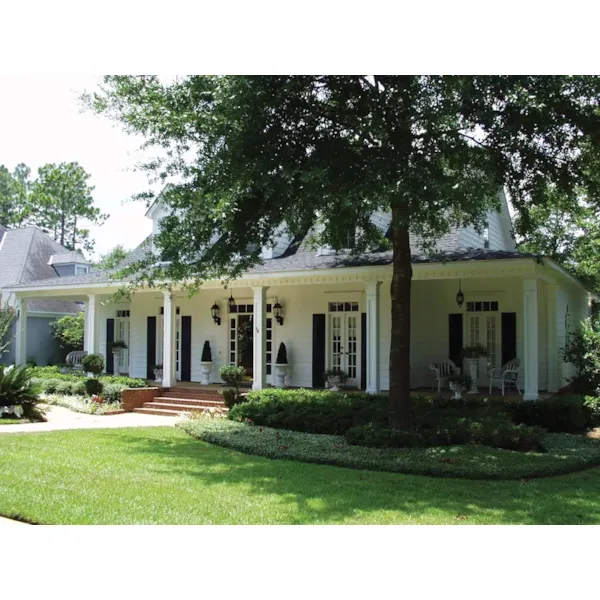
x,y
158,375
281,371
334,383
457,388
205,371
473,363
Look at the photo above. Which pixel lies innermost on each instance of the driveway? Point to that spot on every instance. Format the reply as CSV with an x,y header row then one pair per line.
x,y
63,418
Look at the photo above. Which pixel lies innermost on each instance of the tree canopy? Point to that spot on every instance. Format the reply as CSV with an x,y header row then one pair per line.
x,y
68,331
111,259
15,207
249,155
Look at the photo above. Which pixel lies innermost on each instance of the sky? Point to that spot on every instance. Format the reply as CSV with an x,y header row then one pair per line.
x,y
41,121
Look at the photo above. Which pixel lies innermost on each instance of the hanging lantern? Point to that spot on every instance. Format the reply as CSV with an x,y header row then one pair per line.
x,y
215,312
278,312
231,303
460,297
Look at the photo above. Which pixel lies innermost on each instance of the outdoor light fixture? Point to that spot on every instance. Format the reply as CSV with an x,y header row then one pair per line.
x,y
460,297
231,302
278,311
214,311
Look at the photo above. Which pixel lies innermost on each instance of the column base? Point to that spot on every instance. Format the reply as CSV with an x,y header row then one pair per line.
x,y
531,396
373,391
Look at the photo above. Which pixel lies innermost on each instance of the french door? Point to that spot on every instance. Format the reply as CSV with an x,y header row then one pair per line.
x,y
344,344
483,328
122,334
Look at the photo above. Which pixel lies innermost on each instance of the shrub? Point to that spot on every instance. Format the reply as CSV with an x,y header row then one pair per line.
x,y
593,404
206,353
68,330
112,392
232,375
229,397
282,355
18,389
560,414
583,351
93,387
93,363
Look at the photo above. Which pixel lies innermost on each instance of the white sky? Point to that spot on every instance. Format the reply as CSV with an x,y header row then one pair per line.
x,y
41,122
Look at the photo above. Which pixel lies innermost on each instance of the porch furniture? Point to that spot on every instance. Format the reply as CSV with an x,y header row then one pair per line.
x,y
75,358
506,376
440,371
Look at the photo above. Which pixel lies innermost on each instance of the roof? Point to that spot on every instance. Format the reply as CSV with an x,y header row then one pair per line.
x,y
65,258
24,255
300,257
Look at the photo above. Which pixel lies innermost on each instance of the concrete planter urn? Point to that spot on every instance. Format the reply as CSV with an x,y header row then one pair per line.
x,y
458,384
336,378
206,364
472,355
158,373
281,366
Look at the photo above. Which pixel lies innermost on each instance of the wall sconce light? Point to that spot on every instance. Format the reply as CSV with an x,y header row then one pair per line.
x,y
214,311
231,302
278,312
460,297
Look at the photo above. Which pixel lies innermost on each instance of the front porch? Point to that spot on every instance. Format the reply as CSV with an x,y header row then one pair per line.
x,y
338,319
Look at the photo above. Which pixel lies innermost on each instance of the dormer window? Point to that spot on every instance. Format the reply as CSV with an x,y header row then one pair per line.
x,y
82,269
69,263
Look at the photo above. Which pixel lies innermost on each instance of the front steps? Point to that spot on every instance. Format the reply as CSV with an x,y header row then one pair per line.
x,y
174,401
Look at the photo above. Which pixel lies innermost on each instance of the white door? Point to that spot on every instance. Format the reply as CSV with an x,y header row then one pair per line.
x,y
483,328
344,344
123,335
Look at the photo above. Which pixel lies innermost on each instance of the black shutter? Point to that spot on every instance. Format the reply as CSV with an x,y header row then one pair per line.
x,y
150,347
186,348
509,336
363,351
318,351
455,338
110,338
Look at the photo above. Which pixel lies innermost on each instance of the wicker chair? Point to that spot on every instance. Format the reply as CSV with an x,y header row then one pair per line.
x,y
440,371
506,376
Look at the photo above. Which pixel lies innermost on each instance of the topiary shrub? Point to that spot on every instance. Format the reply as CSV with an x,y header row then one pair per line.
x,y
232,375
93,363
93,387
206,353
282,355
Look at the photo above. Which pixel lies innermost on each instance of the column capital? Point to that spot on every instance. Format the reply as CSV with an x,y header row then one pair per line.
x,y
530,285
373,287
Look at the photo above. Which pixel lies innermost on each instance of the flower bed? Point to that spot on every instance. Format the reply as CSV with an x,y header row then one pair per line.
x,y
564,453
81,404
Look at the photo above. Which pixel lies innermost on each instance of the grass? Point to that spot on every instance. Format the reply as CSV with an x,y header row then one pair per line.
x,y
161,475
13,421
564,453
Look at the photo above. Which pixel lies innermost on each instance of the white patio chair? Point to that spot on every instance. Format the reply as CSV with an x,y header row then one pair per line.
x,y
75,358
506,376
440,371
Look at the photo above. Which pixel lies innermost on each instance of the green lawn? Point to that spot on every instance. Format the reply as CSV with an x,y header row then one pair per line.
x,y
161,475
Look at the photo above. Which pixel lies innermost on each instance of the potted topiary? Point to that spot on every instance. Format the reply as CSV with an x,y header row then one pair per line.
x,y
158,373
281,366
458,383
472,354
232,376
93,363
336,378
117,346
206,363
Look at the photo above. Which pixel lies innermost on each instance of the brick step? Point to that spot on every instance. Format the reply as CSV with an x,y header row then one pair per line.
x,y
157,411
192,394
189,401
178,407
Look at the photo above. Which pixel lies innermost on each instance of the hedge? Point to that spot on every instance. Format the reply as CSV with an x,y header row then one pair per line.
x,y
565,453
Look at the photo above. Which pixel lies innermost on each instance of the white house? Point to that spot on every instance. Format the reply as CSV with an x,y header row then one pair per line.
x,y
335,312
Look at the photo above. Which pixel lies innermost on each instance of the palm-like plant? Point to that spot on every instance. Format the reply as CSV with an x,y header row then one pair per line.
x,y
18,394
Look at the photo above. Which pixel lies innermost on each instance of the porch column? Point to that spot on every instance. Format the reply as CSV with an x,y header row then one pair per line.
x,y
168,341
259,322
21,335
373,343
90,331
553,357
530,338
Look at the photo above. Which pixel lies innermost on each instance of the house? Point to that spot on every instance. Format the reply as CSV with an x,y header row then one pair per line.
x,y
333,310
28,254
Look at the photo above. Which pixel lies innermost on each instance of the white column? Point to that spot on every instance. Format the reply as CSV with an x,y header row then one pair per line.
x,y
90,331
553,357
259,322
21,335
530,338
373,334
168,341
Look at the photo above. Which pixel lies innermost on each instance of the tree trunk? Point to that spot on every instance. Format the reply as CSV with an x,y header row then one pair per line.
x,y
399,400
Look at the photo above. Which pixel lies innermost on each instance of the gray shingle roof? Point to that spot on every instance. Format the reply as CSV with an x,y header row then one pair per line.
x,y
300,256
24,255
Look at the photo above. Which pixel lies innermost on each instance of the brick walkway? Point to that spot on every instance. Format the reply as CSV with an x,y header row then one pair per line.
x,y
63,418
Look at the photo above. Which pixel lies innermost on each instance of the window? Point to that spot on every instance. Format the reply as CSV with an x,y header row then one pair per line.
x,y
343,307
486,235
482,306
123,314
